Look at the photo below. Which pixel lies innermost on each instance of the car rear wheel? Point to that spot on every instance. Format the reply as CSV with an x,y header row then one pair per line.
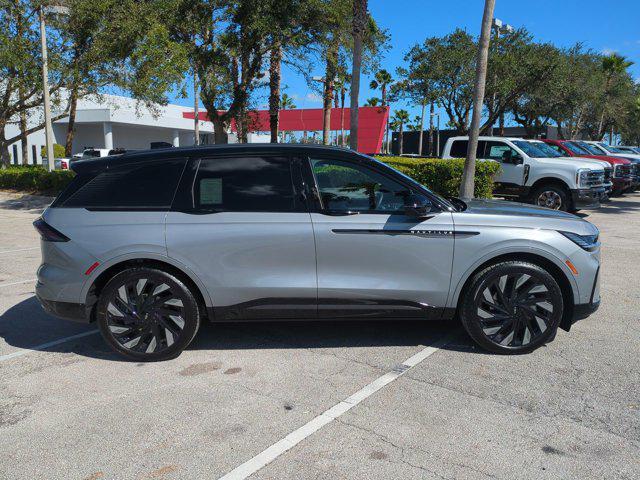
x,y
512,307
553,197
147,314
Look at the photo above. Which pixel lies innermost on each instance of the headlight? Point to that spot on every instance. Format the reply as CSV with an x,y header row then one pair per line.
x,y
582,177
586,242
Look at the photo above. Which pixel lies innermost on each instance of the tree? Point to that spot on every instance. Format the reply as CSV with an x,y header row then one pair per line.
x,y
371,102
399,120
468,174
614,67
286,102
382,79
358,27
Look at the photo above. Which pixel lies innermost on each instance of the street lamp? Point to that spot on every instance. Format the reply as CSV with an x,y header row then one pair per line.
x,y
498,27
48,128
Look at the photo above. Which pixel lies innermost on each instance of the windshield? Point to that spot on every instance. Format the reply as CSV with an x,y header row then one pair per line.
x,y
530,149
548,150
412,181
611,149
577,149
589,148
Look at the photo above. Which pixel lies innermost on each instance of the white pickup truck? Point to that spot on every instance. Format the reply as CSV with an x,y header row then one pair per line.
x,y
530,175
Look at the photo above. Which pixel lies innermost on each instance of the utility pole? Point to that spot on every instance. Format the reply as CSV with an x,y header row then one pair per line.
x,y
196,123
469,172
48,129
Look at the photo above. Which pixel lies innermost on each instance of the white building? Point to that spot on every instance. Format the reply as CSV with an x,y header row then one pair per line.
x,y
111,121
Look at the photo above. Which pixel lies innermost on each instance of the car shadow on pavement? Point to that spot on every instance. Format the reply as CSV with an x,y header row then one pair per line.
x,y
26,326
25,202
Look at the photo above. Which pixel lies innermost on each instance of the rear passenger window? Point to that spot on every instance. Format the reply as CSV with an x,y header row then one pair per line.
x,y
138,186
244,184
459,148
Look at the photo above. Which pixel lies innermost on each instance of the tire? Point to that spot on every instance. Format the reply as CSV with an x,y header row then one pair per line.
x,y
512,307
147,314
552,196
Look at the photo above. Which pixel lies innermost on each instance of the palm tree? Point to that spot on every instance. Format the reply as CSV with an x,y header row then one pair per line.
x,y
358,26
286,102
372,102
613,66
399,120
382,79
469,172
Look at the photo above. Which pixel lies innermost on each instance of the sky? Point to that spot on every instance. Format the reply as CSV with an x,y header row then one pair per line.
x,y
611,26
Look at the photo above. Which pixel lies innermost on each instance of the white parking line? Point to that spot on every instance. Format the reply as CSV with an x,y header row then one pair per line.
x,y
19,250
268,455
24,351
18,283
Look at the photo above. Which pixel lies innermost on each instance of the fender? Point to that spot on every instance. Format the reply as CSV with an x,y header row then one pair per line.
x,y
145,256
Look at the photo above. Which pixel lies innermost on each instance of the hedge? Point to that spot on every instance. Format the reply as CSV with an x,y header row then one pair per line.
x,y
445,176
34,179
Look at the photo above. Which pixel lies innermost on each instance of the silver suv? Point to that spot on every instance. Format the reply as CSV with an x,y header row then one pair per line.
x,y
151,244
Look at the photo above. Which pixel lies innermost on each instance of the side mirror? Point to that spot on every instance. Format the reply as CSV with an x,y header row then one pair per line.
x,y
517,159
509,156
417,206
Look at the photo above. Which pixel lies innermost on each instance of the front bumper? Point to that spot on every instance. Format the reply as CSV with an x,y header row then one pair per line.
x,y
581,311
621,185
587,197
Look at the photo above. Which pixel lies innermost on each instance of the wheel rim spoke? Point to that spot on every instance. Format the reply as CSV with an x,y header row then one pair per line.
x,y
145,316
514,309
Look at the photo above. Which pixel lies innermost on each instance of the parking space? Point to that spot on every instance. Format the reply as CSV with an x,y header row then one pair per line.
x,y
69,408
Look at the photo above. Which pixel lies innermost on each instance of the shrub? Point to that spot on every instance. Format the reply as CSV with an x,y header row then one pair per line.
x,y
445,176
58,151
35,179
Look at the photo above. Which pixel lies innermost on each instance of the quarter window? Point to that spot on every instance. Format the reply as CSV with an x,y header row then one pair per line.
x,y
134,186
348,187
244,184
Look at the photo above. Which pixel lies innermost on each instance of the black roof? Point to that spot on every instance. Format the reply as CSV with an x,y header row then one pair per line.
x,y
97,164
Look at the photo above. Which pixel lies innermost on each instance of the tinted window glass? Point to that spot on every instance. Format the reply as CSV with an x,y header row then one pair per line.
x,y
347,187
498,150
143,185
459,148
244,184
575,148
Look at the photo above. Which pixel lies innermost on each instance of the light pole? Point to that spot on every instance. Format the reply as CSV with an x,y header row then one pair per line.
x,y
437,133
48,128
498,27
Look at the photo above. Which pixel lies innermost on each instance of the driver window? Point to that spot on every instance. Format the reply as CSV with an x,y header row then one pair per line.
x,y
499,151
348,187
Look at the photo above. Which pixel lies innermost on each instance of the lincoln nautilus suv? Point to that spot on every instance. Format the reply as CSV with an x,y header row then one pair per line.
x,y
148,245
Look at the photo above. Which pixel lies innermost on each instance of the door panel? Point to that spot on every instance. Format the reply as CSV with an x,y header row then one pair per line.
x,y
383,265
248,238
512,176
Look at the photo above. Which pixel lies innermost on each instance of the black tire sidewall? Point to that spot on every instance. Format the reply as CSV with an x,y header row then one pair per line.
x,y
470,320
190,305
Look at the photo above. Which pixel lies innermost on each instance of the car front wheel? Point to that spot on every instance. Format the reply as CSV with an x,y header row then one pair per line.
x,y
147,314
555,198
512,307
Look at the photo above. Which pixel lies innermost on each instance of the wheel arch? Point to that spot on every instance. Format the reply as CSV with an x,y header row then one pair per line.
x,y
568,289
555,181
106,271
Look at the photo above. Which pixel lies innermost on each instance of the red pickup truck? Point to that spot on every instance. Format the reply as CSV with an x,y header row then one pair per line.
x,y
622,168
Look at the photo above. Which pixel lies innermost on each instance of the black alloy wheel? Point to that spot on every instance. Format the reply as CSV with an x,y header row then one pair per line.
x,y
512,307
147,314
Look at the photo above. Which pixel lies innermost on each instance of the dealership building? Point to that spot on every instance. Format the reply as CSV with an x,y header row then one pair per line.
x,y
111,121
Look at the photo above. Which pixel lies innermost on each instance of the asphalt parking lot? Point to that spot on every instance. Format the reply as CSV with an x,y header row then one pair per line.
x,y
278,399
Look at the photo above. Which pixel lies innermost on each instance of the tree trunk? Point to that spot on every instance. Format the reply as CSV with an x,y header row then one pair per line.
x,y
24,144
400,142
431,115
329,84
468,175
219,130
359,22
342,97
421,136
275,67
73,104
5,158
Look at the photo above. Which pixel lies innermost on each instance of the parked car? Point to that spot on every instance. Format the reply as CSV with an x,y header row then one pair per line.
x,y
529,175
149,245
551,152
623,170
629,149
605,149
101,152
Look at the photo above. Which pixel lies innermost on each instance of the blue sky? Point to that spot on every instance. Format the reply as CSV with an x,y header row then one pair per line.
x,y
601,26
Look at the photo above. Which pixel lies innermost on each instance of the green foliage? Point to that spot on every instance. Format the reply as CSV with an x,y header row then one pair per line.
x,y
35,179
444,176
58,151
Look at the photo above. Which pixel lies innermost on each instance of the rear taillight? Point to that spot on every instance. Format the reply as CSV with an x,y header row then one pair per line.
x,y
48,233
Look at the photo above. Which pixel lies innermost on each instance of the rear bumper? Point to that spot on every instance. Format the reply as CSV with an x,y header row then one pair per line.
x,y
587,197
77,312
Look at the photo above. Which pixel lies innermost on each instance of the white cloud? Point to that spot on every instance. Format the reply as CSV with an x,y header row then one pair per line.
x,y
313,98
608,51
